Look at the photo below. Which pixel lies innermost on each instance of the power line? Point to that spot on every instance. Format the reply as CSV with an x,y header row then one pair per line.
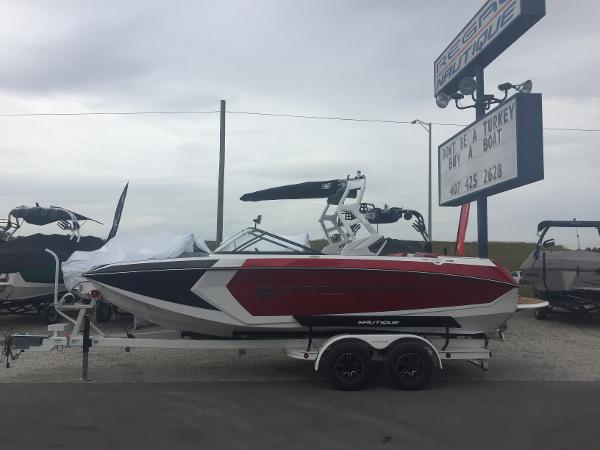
x,y
256,113
573,129
449,124
107,113
545,128
303,116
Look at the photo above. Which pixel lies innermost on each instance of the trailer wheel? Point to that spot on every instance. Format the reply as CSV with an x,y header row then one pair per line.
x,y
541,313
348,366
50,314
408,366
103,311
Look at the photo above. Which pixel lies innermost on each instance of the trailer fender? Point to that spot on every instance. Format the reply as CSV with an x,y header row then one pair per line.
x,y
378,342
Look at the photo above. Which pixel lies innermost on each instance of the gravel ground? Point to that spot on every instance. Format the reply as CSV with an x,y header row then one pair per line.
x,y
561,348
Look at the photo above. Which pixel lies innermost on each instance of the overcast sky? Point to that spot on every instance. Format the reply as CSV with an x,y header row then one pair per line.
x,y
333,58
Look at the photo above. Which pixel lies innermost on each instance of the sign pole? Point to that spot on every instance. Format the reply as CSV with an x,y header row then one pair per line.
x,y
430,199
463,177
482,216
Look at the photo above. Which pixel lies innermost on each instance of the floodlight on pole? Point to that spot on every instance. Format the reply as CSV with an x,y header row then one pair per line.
x,y
467,86
487,100
525,87
442,99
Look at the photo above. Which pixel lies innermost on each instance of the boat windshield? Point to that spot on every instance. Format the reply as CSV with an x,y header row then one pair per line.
x,y
254,240
570,238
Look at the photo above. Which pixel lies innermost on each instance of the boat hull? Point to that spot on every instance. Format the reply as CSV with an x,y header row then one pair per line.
x,y
19,289
563,271
234,296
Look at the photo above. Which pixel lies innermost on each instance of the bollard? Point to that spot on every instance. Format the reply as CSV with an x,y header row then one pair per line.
x,y
86,347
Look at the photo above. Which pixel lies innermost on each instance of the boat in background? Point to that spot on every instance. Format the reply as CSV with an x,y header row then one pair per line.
x,y
27,271
567,279
362,281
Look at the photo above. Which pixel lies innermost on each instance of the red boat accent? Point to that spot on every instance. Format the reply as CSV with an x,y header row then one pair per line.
x,y
273,292
492,273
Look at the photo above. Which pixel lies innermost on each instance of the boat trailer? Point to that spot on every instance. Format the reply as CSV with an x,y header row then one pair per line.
x,y
345,358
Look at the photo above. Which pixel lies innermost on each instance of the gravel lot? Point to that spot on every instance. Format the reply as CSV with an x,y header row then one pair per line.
x,y
561,348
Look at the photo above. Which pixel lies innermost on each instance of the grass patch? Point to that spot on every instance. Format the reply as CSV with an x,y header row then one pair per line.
x,y
507,254
526,290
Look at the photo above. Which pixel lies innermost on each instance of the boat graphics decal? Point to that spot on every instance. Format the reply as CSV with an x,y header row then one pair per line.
x,y
172,285
378,322
173,264
301,292
474,269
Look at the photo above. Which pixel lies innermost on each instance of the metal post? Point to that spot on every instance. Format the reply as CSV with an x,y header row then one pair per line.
x,y
482,222
429,206
427,127
221,176
86,347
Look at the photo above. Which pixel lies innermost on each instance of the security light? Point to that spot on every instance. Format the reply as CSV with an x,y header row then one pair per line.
x,y
442,99
467,86
505,86
525,87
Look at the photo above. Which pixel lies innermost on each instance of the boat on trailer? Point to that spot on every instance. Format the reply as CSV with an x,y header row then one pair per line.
x,y
370,283
27,269
568,279
359,300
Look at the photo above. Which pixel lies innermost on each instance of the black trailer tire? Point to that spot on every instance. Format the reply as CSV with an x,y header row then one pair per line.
x,y
408,366
541,313
103,311
348,366
50,314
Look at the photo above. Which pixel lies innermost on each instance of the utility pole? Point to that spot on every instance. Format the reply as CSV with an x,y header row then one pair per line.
x,y
430,200
221,176
427,127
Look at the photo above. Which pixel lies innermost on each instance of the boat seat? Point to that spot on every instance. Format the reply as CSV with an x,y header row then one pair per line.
x,y
369,246
331,249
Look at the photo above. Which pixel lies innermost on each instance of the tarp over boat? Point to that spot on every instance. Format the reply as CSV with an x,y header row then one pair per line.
x,y
130,247
29,251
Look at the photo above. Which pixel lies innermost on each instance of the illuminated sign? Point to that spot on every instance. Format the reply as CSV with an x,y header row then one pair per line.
x,y
500,151
494,28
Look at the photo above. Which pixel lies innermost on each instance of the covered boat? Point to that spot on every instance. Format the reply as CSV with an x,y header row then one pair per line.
x,y
567,279
27,270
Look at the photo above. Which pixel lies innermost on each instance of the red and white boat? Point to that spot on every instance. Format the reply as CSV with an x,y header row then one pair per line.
x,y
258,284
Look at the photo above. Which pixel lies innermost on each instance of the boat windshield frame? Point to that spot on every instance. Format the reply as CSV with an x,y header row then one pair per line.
x,y
546,225
288,247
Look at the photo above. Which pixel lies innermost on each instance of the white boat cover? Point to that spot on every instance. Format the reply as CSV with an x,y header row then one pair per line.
x,y
129,247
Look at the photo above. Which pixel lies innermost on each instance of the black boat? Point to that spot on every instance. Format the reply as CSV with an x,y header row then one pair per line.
x,y
26,270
